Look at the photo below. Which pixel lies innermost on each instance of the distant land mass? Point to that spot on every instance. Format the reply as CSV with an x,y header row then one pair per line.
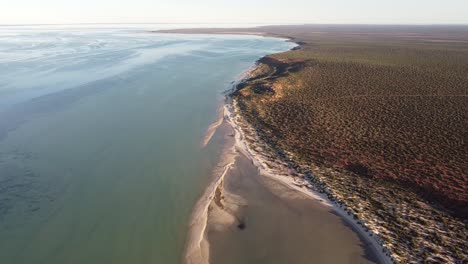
x,y
375,117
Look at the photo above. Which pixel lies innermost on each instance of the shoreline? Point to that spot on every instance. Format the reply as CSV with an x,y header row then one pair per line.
x,y
285,175
197,246
394,228
211,31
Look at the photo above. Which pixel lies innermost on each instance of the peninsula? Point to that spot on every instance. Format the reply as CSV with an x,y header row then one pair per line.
x,y
374,118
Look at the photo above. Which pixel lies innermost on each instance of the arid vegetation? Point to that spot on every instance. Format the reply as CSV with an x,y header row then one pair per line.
x,y
379,116
388,121
380,124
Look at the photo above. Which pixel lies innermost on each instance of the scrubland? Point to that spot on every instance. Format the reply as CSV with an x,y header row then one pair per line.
x,y
378,116
382,121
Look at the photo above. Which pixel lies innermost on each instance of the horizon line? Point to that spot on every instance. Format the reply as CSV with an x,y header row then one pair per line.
x,y
238,23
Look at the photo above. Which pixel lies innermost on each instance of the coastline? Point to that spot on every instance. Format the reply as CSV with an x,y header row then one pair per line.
x,y
197,246
406,226
285,175
282,173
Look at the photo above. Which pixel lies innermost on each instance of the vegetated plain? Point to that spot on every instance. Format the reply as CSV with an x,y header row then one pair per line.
x,y
379,115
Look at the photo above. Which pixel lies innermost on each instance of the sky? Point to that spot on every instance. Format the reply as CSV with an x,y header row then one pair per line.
x,y
239,11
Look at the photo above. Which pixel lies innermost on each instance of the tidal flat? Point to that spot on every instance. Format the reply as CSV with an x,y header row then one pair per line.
x,y
276,224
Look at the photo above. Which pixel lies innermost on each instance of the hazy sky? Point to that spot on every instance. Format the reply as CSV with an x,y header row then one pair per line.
x,y
239,11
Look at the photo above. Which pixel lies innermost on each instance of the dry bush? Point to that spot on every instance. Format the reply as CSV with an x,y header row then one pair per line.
x,y
402,118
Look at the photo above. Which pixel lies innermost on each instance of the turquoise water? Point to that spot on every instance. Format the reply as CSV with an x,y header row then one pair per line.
x,y
100,132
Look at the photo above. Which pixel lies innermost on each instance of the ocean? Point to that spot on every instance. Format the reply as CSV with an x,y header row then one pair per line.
x,y
101,131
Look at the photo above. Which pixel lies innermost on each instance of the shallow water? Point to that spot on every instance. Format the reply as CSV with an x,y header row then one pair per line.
x,y
100,133
277,225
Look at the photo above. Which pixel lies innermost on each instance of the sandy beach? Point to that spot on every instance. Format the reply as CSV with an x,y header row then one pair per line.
x,y
278,171
231,215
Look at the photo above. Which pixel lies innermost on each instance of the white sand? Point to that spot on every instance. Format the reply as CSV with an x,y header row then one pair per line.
x,y
295,183
197,249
